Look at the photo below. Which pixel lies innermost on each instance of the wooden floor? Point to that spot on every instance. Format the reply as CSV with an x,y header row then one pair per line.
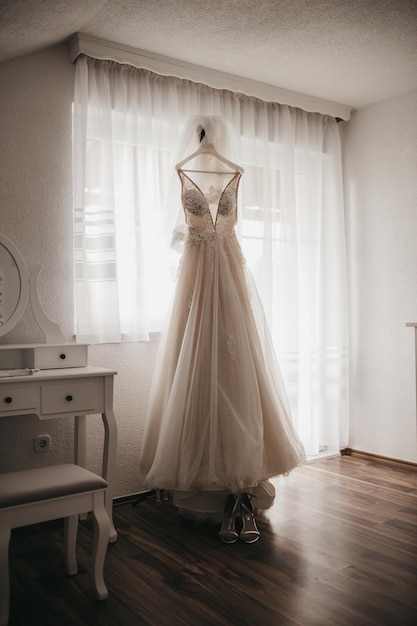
x,y
339,547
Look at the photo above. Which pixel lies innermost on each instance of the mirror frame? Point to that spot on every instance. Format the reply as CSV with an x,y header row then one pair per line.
x,y
24,286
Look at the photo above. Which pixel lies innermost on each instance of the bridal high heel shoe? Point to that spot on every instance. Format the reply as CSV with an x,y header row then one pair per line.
x,y
249,532
227,532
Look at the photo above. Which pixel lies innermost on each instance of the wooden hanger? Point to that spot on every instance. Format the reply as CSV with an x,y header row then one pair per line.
x,y
208,148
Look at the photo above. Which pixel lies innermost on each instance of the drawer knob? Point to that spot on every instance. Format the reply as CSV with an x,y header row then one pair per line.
x,y
8,399
68,398
62,356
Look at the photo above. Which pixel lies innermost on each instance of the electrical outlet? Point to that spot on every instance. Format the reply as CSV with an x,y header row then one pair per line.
x,y
42,443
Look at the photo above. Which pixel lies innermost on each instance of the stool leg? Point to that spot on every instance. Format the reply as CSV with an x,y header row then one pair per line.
x,y
4,570
100,542
71,528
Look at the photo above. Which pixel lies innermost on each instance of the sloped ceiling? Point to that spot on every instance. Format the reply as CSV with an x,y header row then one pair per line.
x,y
355,52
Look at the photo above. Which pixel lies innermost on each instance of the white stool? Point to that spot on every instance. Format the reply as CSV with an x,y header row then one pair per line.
x,y
47,493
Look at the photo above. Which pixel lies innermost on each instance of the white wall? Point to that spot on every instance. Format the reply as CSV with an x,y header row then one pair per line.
x,y
36,214
380,169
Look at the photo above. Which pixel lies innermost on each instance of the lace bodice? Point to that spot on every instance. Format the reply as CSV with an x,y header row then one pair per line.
x,y
213,212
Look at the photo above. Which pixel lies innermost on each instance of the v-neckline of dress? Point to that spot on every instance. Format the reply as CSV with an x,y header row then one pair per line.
x,y
213,220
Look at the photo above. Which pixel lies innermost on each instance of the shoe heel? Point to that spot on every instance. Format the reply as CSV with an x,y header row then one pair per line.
x,y
249,532
227,532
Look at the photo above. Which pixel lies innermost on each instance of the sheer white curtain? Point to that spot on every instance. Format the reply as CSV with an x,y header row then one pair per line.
x,y
127,125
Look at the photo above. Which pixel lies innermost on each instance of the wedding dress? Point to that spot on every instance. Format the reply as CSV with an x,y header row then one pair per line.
x,y
218,419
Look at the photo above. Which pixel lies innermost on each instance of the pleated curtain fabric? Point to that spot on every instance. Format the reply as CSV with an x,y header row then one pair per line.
x,y
127,127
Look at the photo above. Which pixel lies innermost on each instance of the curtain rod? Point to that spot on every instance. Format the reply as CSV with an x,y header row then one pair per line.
x,y
106,50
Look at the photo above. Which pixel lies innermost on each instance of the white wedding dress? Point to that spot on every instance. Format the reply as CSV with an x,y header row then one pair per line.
x,y
218,417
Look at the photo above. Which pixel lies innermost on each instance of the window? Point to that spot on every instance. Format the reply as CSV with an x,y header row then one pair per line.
x,y
127,126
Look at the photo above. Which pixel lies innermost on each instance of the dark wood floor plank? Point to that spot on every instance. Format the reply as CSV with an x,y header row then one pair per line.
x,y
338,548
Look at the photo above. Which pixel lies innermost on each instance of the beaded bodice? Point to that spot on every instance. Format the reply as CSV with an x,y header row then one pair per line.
x,y
213,212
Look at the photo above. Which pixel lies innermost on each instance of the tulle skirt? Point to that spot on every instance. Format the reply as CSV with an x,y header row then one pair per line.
x,y
218,418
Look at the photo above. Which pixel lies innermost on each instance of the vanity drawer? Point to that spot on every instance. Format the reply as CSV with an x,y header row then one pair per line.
x,y
77,397
13,399
55,357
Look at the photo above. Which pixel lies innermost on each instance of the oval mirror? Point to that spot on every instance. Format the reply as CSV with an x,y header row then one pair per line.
x,y
14,285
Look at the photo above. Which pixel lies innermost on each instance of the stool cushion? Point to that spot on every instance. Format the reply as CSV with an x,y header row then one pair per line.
x,y
45,483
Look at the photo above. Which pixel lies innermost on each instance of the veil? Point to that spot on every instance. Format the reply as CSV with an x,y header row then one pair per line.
x,y
216,131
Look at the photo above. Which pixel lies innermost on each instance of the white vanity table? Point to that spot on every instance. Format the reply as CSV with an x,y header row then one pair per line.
x,y
53,379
